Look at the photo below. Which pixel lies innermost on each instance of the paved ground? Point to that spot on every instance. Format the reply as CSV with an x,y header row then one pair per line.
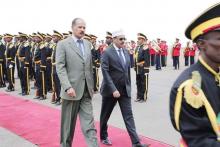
x,y
151,118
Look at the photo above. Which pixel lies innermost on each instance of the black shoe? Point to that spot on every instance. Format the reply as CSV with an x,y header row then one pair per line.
x,y
141,101
137,100
23,93
55,101
140,145
96,91
50,91
58,103
42,98
8,90
106,142
37,97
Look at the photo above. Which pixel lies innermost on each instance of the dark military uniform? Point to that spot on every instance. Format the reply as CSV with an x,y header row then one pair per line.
x,y
49,51
55,79
43,66
2,64
96,65
10,64
37,57
142,57
17,45
24,60
31,62
56,99
195,96
190,119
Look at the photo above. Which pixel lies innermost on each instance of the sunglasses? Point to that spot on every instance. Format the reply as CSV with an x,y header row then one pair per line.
x,y
122,39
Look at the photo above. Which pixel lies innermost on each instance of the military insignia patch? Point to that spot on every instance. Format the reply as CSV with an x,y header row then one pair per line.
x,y
42,46
193,93
26,44
11,45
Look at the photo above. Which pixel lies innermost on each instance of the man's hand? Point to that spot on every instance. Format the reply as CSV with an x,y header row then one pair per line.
x,y
71,92
116,94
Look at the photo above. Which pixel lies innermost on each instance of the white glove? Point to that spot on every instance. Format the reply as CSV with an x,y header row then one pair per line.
x,y
10,66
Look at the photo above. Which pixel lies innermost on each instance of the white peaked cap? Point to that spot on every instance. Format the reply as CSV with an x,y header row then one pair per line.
x,y
118,33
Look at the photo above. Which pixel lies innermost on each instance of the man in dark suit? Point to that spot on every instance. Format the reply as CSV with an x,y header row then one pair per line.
x,y
116,87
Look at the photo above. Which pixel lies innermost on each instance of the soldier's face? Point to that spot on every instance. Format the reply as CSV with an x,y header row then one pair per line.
x,y
211,46
93,41
140,41
8,39
55,38
37,39
79,29
108,40
48,39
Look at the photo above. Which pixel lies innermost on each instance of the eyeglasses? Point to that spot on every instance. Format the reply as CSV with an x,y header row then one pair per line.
x,y
122,39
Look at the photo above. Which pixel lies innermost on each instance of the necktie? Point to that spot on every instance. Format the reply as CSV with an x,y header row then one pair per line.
x,y
80,46
121,57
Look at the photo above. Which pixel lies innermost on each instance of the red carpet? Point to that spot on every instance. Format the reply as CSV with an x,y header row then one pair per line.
x,y
40,124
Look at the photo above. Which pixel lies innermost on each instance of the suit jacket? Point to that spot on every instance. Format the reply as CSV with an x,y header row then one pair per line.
x,y
73,69
115,75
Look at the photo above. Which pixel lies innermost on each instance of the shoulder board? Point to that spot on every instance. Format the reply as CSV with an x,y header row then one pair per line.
x,y
51,45
46,44
32,44
16,43
11,45
192,91
42,45
26,44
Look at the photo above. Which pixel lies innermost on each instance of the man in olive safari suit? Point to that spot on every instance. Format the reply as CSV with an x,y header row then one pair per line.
x,y
74,69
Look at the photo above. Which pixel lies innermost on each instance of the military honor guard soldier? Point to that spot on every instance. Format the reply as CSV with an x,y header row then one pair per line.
x,y
195,96
2,63
96,62
24,63
56,99
142,65
10,61
39,66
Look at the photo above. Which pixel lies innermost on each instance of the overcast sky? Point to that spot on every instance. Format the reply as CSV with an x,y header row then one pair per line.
x,y
165,19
